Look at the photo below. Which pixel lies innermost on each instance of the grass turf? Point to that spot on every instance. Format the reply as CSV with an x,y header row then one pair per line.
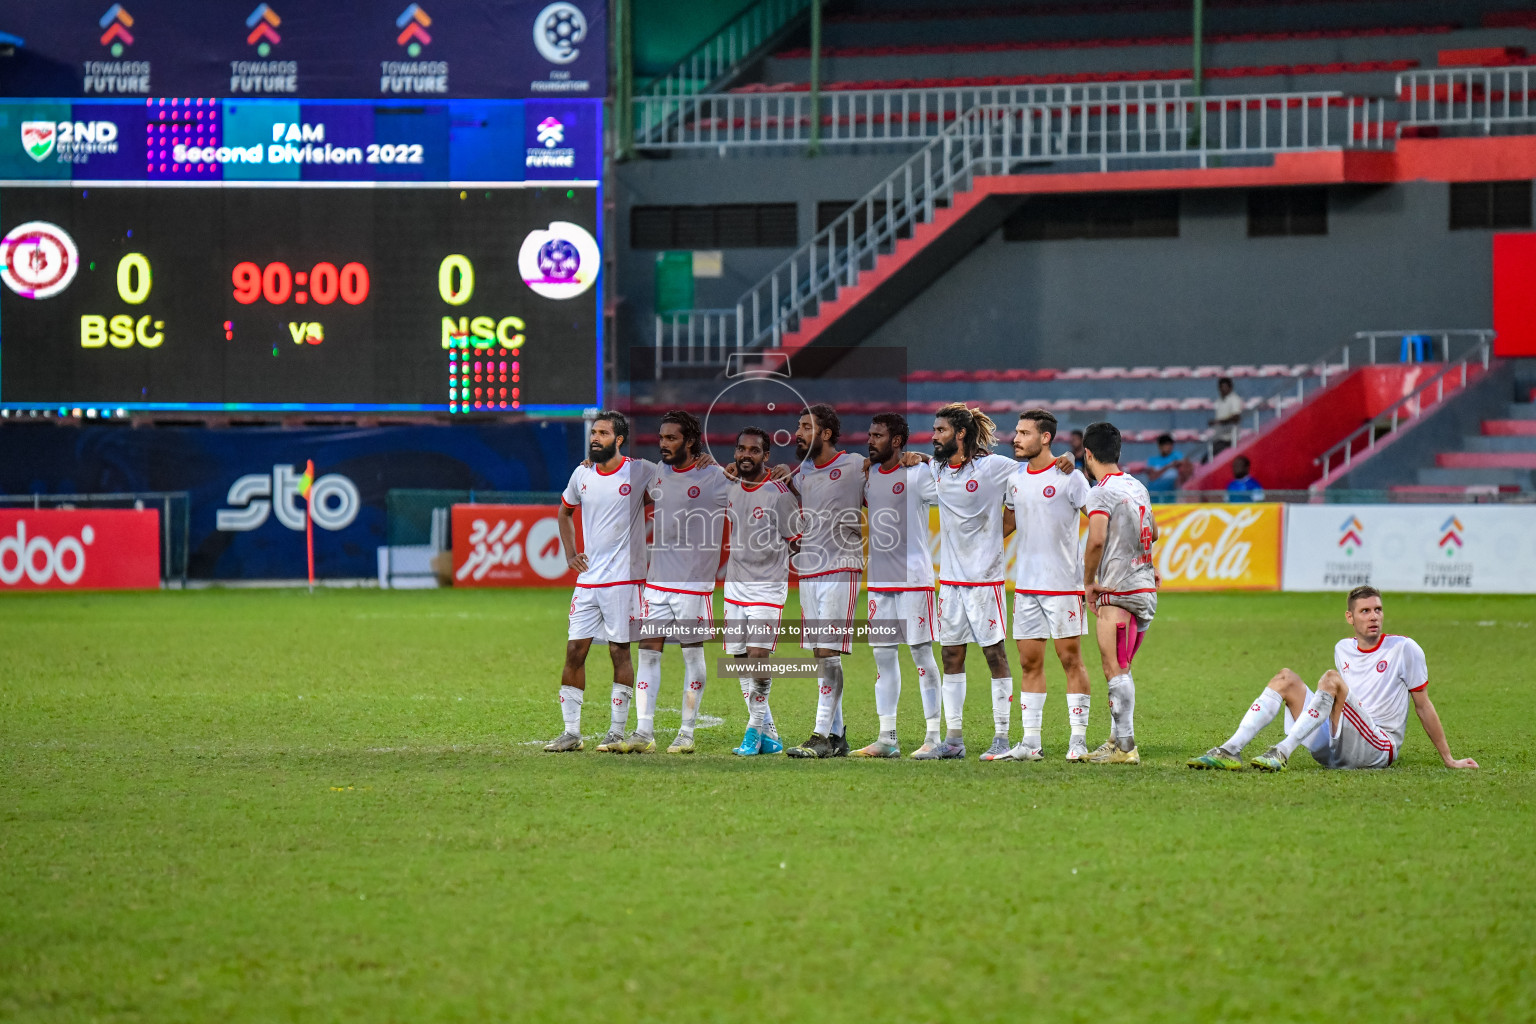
x,y
269,806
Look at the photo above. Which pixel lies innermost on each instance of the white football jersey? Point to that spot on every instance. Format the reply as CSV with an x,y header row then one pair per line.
x,y
1046,508
970,499
764,518
688,528
1381,678
900,556
832,519
1126,567
612,521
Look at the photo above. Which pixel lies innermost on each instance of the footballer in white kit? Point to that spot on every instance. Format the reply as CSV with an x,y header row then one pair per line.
x,y
765,521
1358,717
1119,581
611,494
1045,503
970,484
900,580
689,495
830,484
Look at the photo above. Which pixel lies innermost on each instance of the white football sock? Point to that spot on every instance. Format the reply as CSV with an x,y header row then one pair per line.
x,y
1002,705
829,690
954,701
622,696
1077,715
887,689
694,674
1317,712
757,702
1260,714
928,680
647,685
1032,717
1122,710
570,709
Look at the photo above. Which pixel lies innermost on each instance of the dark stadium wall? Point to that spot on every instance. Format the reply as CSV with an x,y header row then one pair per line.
x,y
1211,295
667,30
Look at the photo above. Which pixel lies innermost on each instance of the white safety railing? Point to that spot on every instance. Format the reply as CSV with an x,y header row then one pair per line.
x,y
1474,99
994,140
852,117
718,55
1406,411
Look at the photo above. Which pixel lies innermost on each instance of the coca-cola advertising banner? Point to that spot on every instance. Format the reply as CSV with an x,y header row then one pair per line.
x,y
509,546
79,549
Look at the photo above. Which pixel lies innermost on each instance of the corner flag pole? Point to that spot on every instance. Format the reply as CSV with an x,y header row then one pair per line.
x,y
305,483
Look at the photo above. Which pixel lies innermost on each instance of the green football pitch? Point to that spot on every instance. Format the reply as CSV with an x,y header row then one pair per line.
x,y
266,806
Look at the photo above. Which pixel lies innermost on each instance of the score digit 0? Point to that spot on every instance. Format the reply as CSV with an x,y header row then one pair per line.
x,y
456,286
134,281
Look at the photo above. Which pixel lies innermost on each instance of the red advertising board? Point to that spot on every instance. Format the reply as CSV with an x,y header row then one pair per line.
x,y
79,549
1514,294
509,546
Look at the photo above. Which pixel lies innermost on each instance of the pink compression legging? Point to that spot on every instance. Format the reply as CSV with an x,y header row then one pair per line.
x,y
1128,638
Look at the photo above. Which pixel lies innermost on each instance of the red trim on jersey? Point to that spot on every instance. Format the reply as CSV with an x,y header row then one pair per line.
x,y
1106,476
899,590
754,604
622,459
1037,472
616,583
1098,512
752,487
952,583
690,469
690,593
1421,686
1371,650
1050,593
817,575
824,465
566,503
892,469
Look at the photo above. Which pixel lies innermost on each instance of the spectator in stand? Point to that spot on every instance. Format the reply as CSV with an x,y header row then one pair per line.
x,y
1165,469
1075,446
1228,416
1243,486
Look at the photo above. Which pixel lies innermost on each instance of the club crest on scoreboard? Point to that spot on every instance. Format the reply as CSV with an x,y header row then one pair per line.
x,y
559,263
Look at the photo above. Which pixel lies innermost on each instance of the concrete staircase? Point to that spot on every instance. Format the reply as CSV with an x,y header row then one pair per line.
x,y
1502,455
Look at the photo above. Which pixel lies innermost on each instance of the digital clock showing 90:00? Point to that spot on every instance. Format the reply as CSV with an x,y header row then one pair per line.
x,y
365,299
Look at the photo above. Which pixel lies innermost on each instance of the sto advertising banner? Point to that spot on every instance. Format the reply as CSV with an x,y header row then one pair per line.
x,y
509,546
79,549
1472,549
341,48
247,519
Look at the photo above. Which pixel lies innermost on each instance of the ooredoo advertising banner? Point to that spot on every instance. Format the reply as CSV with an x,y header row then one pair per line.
x,y
79,549
1471,549
508,546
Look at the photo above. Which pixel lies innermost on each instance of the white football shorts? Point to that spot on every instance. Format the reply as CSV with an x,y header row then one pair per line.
x,y
828,607
1048,616
610,614
672,615
910,611
752,615
1359,743
1142,606
971,615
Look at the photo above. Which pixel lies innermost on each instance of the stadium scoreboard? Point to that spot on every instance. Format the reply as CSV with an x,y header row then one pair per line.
x,y
219,255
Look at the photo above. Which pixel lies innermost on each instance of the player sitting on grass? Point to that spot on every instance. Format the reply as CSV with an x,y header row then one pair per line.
x,y
1358,715
1119,582
764,515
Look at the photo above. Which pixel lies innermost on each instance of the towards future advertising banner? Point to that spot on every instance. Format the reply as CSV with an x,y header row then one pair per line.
x,y
1473,549
287,48
202,140
79,549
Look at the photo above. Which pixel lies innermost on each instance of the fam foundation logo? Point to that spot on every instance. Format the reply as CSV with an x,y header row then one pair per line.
x,y
1353,568
116,76
262,23
117,21
413,23
558,31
